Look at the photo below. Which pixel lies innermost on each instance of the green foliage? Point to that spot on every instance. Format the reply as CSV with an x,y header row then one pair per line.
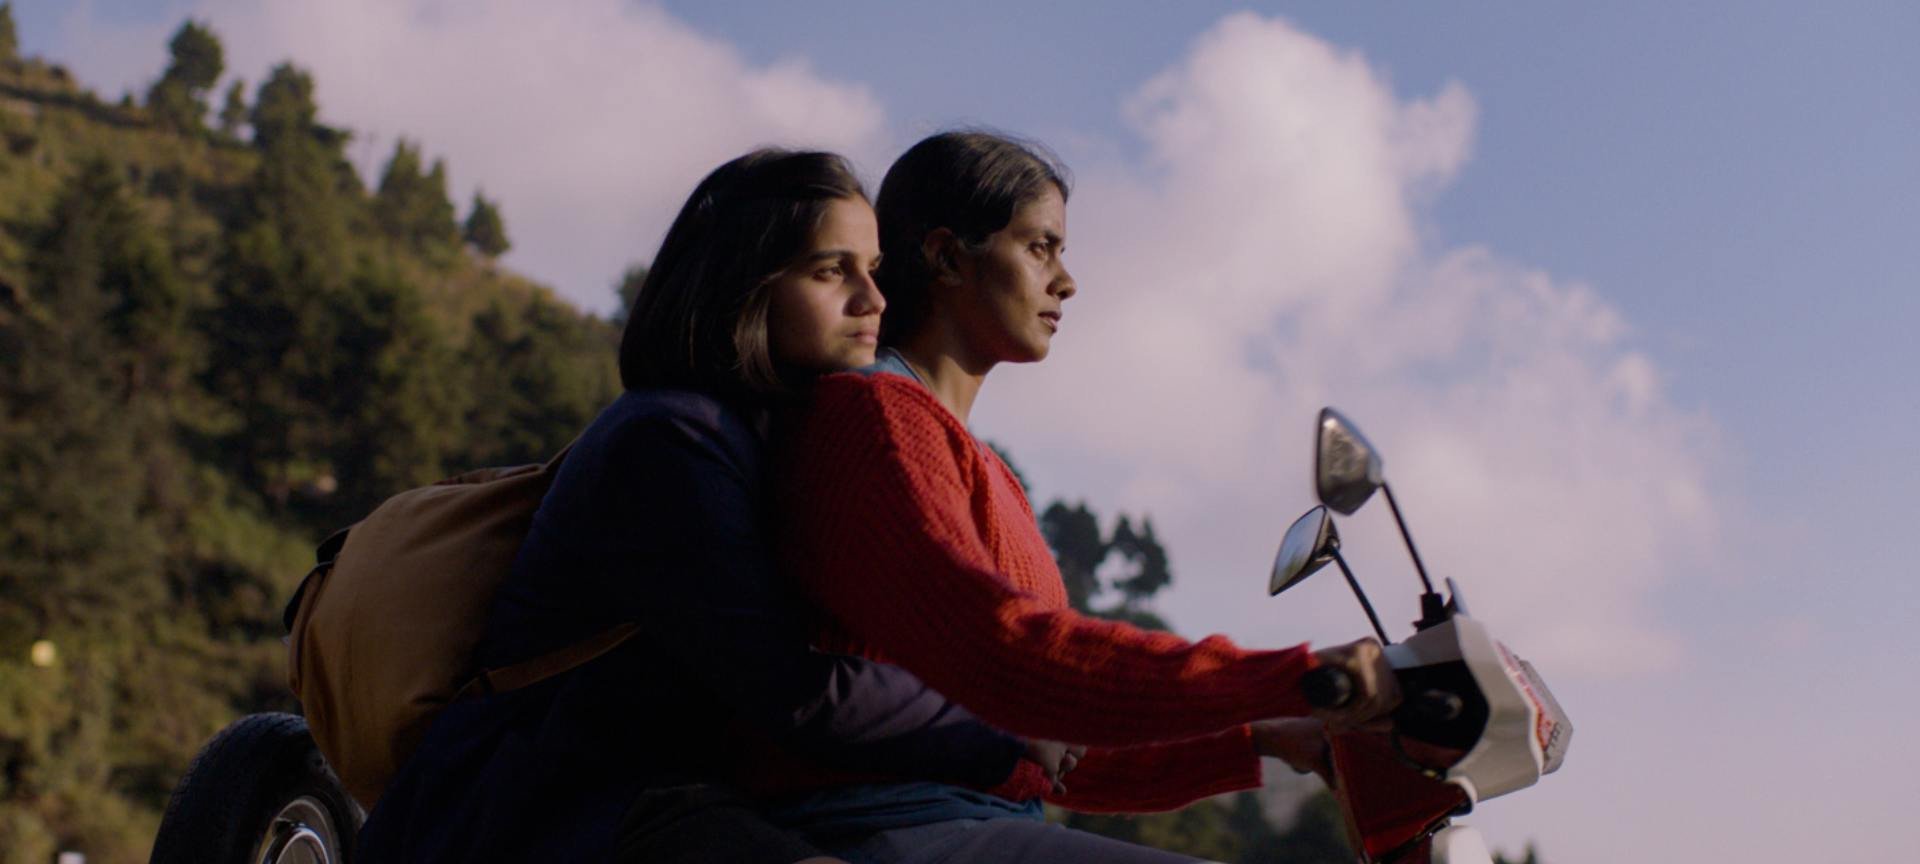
x,y
9,37
284,107
1230,828
233,114
484,230
286,267
546,373
197,58
178,100
1149,561
1073,532
210,355
1318,834
96,355
627,291
412,207
78,433
1531,857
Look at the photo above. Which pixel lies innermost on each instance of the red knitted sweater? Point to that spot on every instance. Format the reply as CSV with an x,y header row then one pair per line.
x,y
920,548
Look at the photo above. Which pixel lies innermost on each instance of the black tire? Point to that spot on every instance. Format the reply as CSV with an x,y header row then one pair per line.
x,y
259,793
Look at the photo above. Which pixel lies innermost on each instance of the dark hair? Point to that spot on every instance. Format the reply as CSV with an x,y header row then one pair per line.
x,y
700,318
967,181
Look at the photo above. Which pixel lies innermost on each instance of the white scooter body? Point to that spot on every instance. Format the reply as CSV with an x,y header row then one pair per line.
x,y
1525,733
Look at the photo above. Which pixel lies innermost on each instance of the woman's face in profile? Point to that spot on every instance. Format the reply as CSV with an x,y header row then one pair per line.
x,y
1011,293
824,313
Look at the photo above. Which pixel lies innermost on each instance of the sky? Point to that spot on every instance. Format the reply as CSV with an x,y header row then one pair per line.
x,y
1624,292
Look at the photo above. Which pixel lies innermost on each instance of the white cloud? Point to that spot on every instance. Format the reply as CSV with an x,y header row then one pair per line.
x,y
1267,259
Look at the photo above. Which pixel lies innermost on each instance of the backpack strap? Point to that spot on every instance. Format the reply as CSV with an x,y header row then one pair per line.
x,y
530,672
323,557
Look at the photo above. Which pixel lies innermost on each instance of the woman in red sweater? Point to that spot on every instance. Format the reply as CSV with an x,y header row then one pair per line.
x,y
920,548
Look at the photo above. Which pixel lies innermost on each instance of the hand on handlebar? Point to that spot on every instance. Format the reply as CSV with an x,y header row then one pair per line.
x,y
1369,692
1301,742
1056,759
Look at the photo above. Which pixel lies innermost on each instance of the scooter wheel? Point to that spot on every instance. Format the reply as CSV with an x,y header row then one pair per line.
x,y
259,793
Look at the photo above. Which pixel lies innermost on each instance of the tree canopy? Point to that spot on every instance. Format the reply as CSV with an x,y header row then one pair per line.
x,y
212,354
178,99
9,37
411,205
484,230
233,113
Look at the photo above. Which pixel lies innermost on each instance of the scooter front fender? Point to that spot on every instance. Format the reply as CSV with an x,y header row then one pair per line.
x,y
1458,844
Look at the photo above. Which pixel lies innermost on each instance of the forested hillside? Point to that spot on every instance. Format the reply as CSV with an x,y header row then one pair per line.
x,y
218,342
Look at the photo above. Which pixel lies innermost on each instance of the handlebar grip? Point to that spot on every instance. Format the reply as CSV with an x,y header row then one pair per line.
x,y
1327,687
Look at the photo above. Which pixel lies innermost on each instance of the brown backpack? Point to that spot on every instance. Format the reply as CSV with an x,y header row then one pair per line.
x,y
382,633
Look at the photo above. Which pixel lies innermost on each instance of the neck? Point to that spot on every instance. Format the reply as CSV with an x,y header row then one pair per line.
x,y
948,369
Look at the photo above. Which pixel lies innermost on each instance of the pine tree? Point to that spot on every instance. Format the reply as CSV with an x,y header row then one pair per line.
x,y
1150,574
411,206
91,521
539,375
484,229
1318,834
288,261
233,115
9,37
394,391
284,107
627,291
437,227
1074,534
78,438
178,99
1532,857
197,57
1149,560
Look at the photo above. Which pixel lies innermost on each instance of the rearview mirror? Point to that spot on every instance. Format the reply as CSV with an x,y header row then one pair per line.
x,y
1346,468
1309,545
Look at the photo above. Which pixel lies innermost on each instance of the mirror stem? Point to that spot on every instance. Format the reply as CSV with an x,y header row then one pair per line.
x,y
1422,568
1364,602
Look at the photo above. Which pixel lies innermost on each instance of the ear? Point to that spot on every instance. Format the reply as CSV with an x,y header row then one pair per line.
x,y
941,250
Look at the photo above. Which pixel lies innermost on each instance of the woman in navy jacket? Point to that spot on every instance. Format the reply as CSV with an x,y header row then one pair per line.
x,y
655,517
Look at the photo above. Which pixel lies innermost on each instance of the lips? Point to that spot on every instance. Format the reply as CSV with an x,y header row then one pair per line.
x,y
866,337
1052,319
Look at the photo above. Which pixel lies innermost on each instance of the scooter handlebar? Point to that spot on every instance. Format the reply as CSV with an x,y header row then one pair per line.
x,y
1327,688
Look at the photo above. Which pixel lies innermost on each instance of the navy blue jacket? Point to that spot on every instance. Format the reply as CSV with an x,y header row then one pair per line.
x,y
655,517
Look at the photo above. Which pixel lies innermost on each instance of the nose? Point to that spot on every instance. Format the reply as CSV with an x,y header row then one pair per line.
x,y
1063,285
866,299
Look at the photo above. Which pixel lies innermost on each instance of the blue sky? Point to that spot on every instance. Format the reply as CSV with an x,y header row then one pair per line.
x,y
1626,290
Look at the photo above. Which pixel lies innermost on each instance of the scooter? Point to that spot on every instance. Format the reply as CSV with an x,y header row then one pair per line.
x,y
1475,721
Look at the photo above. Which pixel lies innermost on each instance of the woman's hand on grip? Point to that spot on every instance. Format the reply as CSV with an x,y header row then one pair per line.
x,y
1055,758
1375,690
1301,742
